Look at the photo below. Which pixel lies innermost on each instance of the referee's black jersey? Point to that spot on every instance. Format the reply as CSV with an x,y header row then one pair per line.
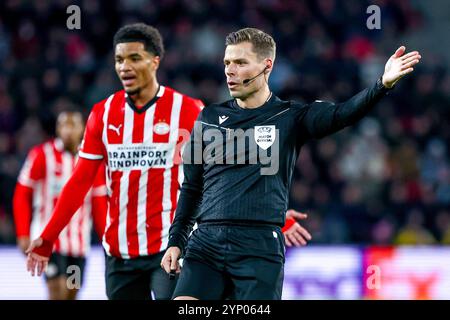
x,y
239,162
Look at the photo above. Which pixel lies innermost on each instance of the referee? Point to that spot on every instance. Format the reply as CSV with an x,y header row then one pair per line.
x,y
238,196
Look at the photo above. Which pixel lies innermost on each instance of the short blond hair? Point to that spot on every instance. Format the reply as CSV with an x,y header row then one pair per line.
x,y
263,44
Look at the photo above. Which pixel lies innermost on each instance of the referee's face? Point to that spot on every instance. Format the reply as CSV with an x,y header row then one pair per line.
x,y
242,63
135,66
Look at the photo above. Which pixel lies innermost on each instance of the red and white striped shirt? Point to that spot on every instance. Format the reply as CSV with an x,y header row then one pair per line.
x,y
46,170
139,146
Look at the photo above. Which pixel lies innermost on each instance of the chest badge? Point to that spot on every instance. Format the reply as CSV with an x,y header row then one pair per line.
x,y
265,136
161,128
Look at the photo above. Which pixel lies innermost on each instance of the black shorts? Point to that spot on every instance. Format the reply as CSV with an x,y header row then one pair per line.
x,y
138,279
233,262
60,265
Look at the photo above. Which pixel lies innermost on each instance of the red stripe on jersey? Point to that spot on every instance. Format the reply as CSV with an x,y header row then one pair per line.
x,y
138,127
133,192
112,232
154,209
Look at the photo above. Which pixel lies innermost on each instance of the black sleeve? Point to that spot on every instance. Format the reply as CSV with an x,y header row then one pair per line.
x,y
191,190
323,118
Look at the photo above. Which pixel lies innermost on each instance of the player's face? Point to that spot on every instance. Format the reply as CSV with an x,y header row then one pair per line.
x,y
135,66
241,63
70,128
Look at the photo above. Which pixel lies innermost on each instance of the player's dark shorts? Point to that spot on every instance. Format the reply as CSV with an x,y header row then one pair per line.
x,y
138,279
237,262
60,265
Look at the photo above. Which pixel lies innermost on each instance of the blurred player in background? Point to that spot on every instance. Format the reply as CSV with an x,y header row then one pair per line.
x,y
237,252
46,169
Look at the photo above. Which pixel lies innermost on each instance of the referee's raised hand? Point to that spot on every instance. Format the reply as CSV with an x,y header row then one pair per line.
x,y
399,65
169,262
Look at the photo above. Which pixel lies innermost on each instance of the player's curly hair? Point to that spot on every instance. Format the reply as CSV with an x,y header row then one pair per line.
x,y
141,32
263,44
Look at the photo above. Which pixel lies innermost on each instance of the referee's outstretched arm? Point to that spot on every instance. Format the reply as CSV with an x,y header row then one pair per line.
x,y
323,118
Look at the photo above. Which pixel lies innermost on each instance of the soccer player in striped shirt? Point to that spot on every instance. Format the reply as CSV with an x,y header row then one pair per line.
x,y
46,169
138,132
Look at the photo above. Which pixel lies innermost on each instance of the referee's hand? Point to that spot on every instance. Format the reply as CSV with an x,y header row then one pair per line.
x,y
399,65
170,260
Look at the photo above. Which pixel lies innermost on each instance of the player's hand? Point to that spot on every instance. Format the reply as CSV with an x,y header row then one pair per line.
x,y
292,214
23,243
36,262
399,65
296,235
170,260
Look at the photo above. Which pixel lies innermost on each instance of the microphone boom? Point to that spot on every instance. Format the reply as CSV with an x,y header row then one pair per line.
x,y
247,81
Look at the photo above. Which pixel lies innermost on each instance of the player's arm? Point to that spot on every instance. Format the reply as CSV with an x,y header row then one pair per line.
x,y
32,172
188,202
99,209
22,210
324,118
99,202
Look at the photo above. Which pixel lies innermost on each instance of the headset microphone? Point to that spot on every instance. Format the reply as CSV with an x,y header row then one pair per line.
x,y
247,81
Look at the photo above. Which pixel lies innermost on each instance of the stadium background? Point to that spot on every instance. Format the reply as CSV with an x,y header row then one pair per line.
x,y
377,193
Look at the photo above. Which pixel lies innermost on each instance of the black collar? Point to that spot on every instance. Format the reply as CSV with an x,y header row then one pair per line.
x,y
147,105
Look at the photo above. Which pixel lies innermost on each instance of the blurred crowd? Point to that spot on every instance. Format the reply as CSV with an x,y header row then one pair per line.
x,y
383,181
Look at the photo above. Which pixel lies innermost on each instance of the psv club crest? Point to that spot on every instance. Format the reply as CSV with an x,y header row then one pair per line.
x,y
161,128
265,136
